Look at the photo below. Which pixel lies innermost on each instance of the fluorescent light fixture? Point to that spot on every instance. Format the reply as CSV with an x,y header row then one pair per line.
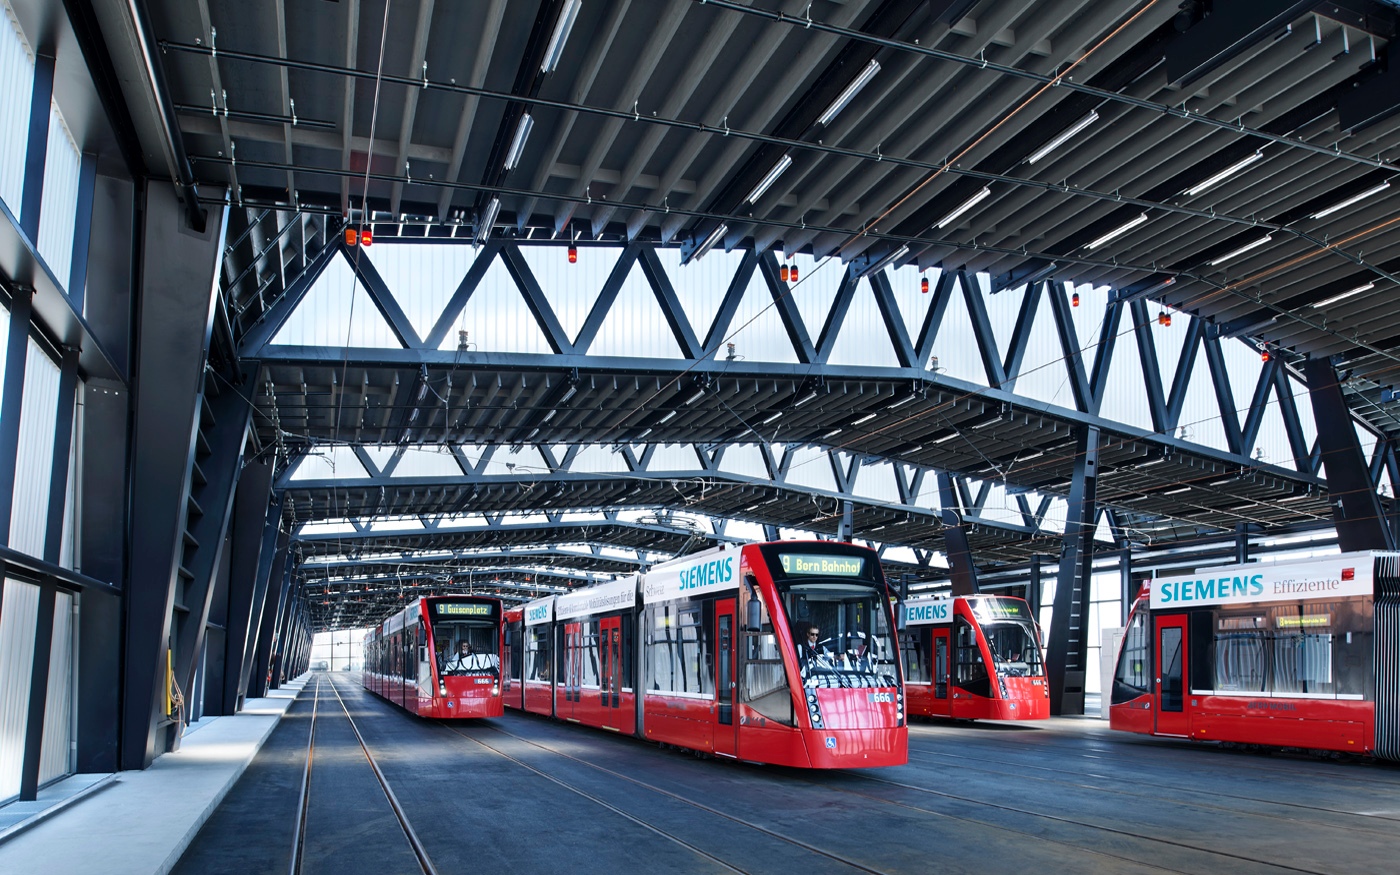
x,y
561,35
1223,175
767,182
705,246
699,393
833,433
946,437
1254,244
573,390
1151,462
772,418
901,402
1177,491
670,415
849,94
549,415
1119,231
1356,198
964,207
805,398
488,217
866,418
1344,295
644,433
1061,138
517,145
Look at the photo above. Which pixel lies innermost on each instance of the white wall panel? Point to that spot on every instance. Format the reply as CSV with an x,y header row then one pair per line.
x,y
635,324
17,74
700,286
571,289
815,292
956,345
34,463
497,319
757,330
1125,395
60,204
55,758
327,317
1044,375
862,340
19,617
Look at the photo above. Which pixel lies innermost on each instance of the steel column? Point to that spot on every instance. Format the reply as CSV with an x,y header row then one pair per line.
x,y
36,158
1356,509
175,313
251,517
38,695
964,572
62,450
277,592
1069,648
269,580
16,357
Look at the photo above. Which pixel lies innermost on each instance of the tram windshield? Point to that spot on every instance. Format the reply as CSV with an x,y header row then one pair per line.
x,y
841,630
465,647
1015,652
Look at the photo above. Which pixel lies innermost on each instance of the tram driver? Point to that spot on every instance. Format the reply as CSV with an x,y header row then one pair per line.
x,y
468,660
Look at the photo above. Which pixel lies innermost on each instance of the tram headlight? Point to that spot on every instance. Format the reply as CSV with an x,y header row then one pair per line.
x,y
814,709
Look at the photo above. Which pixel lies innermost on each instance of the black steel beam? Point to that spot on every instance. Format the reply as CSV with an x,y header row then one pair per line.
x,y
252,515
1357,512
38,695
16,356
62,451
1069,624
1231,29
956,547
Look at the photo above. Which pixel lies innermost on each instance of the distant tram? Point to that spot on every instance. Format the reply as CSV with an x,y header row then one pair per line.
x,y
1303,655
780,653
973,658
439,657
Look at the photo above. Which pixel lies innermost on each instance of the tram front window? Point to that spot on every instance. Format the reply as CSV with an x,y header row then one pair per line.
x,y
467,648
842,633
1014,649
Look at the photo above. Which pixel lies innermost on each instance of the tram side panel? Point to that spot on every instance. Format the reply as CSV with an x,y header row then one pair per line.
x,y
1279,655
537,670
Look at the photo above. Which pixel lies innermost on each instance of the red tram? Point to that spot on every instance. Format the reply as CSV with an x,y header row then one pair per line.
x,y
1300,654
711,652
973,658
439,657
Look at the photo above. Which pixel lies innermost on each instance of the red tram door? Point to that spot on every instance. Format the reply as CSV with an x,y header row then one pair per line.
x,y
726,742
610,686
940,670
1172,718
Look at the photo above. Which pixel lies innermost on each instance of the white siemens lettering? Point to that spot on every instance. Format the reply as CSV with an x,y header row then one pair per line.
x,y
924,611
539,611
1347,574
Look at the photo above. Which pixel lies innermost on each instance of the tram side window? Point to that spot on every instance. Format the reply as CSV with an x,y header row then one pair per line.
x,y
764,682
1134,662
537,653
587,655
971,669
915,647
1311,648
679,649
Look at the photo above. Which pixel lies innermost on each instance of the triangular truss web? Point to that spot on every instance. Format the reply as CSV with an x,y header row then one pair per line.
x,y
815,291
422,277
863,339
1103,532
1169,341
757,330
1056,514
571,289
1125,398
1302,400
337,312
333,463
1088,319
1272,441
1044,374
674,457
596,459
517,461
927,495
956,347
496,318
745,460
875,481
1003,308
427,463
906,283
1201,414
635,324
809,466
999,507
1243,364
700,286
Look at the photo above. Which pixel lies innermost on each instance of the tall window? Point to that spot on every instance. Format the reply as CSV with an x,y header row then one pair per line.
x,y
59,209
17,72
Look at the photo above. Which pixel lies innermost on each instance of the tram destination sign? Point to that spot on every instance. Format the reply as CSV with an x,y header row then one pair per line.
x,y
1330,577
823,565
457,609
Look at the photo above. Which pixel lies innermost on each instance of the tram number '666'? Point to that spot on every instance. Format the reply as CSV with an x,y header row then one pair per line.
x,y
881,697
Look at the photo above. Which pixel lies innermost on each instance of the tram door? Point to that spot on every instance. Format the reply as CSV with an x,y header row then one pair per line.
x,y
610,671
1171,675
940,671
573,669
726,686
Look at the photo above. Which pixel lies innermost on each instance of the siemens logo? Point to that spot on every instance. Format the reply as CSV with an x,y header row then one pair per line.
x,y
707,574
1209,590
927,613
537,613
